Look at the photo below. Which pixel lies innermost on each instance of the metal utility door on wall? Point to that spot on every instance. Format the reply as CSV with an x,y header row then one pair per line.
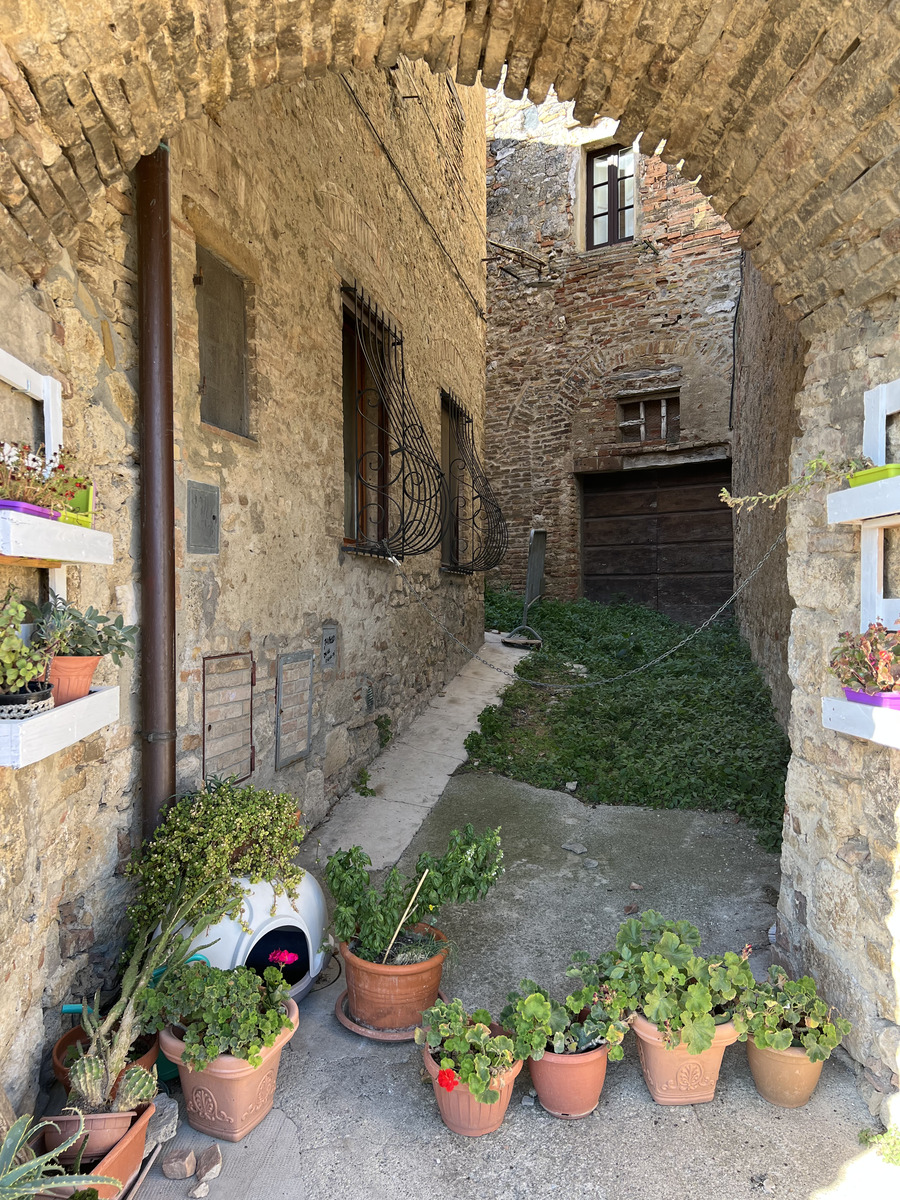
x,y
660,537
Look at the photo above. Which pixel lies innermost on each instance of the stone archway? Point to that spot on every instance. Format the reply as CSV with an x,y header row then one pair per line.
x,y
787,112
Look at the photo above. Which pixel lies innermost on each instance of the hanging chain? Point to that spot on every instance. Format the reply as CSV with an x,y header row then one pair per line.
x,y
574,687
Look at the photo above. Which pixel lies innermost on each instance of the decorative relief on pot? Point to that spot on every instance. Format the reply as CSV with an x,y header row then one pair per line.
x,y
202,1103
265,1095
689,1077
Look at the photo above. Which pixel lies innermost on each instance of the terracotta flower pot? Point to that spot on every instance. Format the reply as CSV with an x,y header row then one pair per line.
x,y
122,1162
103,1131
229,1097
460,1111
675,1076
77,1035
392,997
70,676
783,1077
569,1085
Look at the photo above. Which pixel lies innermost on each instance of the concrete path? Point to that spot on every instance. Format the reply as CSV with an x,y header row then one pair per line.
x,y
355,1119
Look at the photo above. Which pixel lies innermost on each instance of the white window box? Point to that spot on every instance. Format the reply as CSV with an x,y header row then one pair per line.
x,y
28,741
26,536
881,725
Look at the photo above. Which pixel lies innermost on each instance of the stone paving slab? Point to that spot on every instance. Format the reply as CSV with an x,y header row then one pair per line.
x,y
355,1119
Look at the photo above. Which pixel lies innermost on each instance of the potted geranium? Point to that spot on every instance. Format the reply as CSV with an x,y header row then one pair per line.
x,y
77,641
393,955
868,665
22,666
37,484
225,1031
681,1004
473,1065
567,1044
789,1031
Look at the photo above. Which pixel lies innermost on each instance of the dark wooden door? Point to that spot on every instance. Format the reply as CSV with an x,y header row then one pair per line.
x,y
659,537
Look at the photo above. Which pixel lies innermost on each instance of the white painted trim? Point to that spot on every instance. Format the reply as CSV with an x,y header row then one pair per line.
x,y
46,389
878,404
37,737
25,536
867,502
881,725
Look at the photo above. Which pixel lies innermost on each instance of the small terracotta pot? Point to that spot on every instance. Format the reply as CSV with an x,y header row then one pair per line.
x,y
673,1076
460,1111
70,676
122,1162
569,1085
391,997
103,1131
77,1035
229,1097
783,1077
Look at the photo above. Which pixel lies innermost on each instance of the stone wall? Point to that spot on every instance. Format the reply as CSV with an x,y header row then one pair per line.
x,y
768,373
597,327
300,188
839,910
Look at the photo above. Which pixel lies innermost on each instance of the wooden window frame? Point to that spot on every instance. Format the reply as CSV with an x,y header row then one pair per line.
x,y
612,184
206,421
358,430
664,399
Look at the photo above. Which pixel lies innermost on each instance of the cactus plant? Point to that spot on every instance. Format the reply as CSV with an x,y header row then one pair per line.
x,y
137,1086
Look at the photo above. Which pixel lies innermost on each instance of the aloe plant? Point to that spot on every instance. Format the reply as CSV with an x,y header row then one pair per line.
x,y
23,1173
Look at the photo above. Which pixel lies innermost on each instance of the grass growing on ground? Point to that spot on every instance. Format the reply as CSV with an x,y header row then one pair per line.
x,y
697,731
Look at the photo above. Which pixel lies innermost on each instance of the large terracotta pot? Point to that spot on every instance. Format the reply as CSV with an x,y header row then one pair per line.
x,y
673,1076
783,1077
229,1097
103,1131
122,1162
569,1085
70,676
460,1111
77,1035
391,997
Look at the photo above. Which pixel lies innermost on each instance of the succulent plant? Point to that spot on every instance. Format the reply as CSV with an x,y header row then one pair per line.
x,y
137,1086
19,664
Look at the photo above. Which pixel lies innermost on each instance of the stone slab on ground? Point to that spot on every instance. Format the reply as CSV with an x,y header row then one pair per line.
x,y
355,1119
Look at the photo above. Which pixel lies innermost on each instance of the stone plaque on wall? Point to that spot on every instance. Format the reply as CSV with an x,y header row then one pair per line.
x,y
329,647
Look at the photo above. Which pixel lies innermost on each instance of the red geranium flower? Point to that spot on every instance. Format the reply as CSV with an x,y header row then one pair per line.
x,y
283,958
448,1079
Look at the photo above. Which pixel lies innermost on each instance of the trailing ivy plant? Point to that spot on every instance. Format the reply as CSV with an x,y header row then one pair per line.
x,y
662,976
220,1012
215,837
466,1049
587,1018
369,917
782,1012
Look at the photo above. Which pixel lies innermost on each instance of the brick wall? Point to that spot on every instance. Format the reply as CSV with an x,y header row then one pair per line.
x,y
623,320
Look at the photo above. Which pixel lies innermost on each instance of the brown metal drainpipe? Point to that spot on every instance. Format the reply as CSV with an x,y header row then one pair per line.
x,y
155,375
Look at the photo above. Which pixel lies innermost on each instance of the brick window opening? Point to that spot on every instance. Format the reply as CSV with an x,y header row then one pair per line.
x,y
650,419
222,335
228,681
610,196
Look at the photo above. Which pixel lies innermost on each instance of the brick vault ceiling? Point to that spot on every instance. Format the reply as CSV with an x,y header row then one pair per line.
x,y
787,109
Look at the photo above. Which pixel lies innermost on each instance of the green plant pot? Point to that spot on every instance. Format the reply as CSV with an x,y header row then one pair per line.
x,y
82,510
873,474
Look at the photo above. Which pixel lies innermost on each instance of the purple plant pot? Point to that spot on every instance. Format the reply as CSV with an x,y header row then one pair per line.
x,y
33,510
876,699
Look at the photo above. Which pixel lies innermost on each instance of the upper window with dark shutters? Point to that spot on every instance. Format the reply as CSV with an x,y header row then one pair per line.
x,y
222,332
610,196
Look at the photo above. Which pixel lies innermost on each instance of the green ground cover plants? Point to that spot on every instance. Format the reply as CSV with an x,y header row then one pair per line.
x,y
698,731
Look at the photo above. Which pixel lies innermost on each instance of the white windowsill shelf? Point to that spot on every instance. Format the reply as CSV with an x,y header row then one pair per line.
x,y
25,536
878,503
881,725
37,737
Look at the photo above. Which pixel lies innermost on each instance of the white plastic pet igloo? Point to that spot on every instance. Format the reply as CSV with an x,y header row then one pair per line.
x,y
276,923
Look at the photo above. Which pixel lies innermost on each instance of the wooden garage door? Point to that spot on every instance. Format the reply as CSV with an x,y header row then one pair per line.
x,y
660,537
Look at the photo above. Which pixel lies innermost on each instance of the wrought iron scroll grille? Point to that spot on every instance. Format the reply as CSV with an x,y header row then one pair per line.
x,y
477,535
401,493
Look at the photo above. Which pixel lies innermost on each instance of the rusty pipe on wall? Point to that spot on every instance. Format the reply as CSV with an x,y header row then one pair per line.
x,y
157,572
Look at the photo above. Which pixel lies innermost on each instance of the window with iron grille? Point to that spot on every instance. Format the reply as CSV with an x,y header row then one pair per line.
x,y
394,489
475,534
610,196
650,419
222,335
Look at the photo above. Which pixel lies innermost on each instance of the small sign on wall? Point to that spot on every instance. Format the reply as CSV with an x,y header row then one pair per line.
x,y
329,647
